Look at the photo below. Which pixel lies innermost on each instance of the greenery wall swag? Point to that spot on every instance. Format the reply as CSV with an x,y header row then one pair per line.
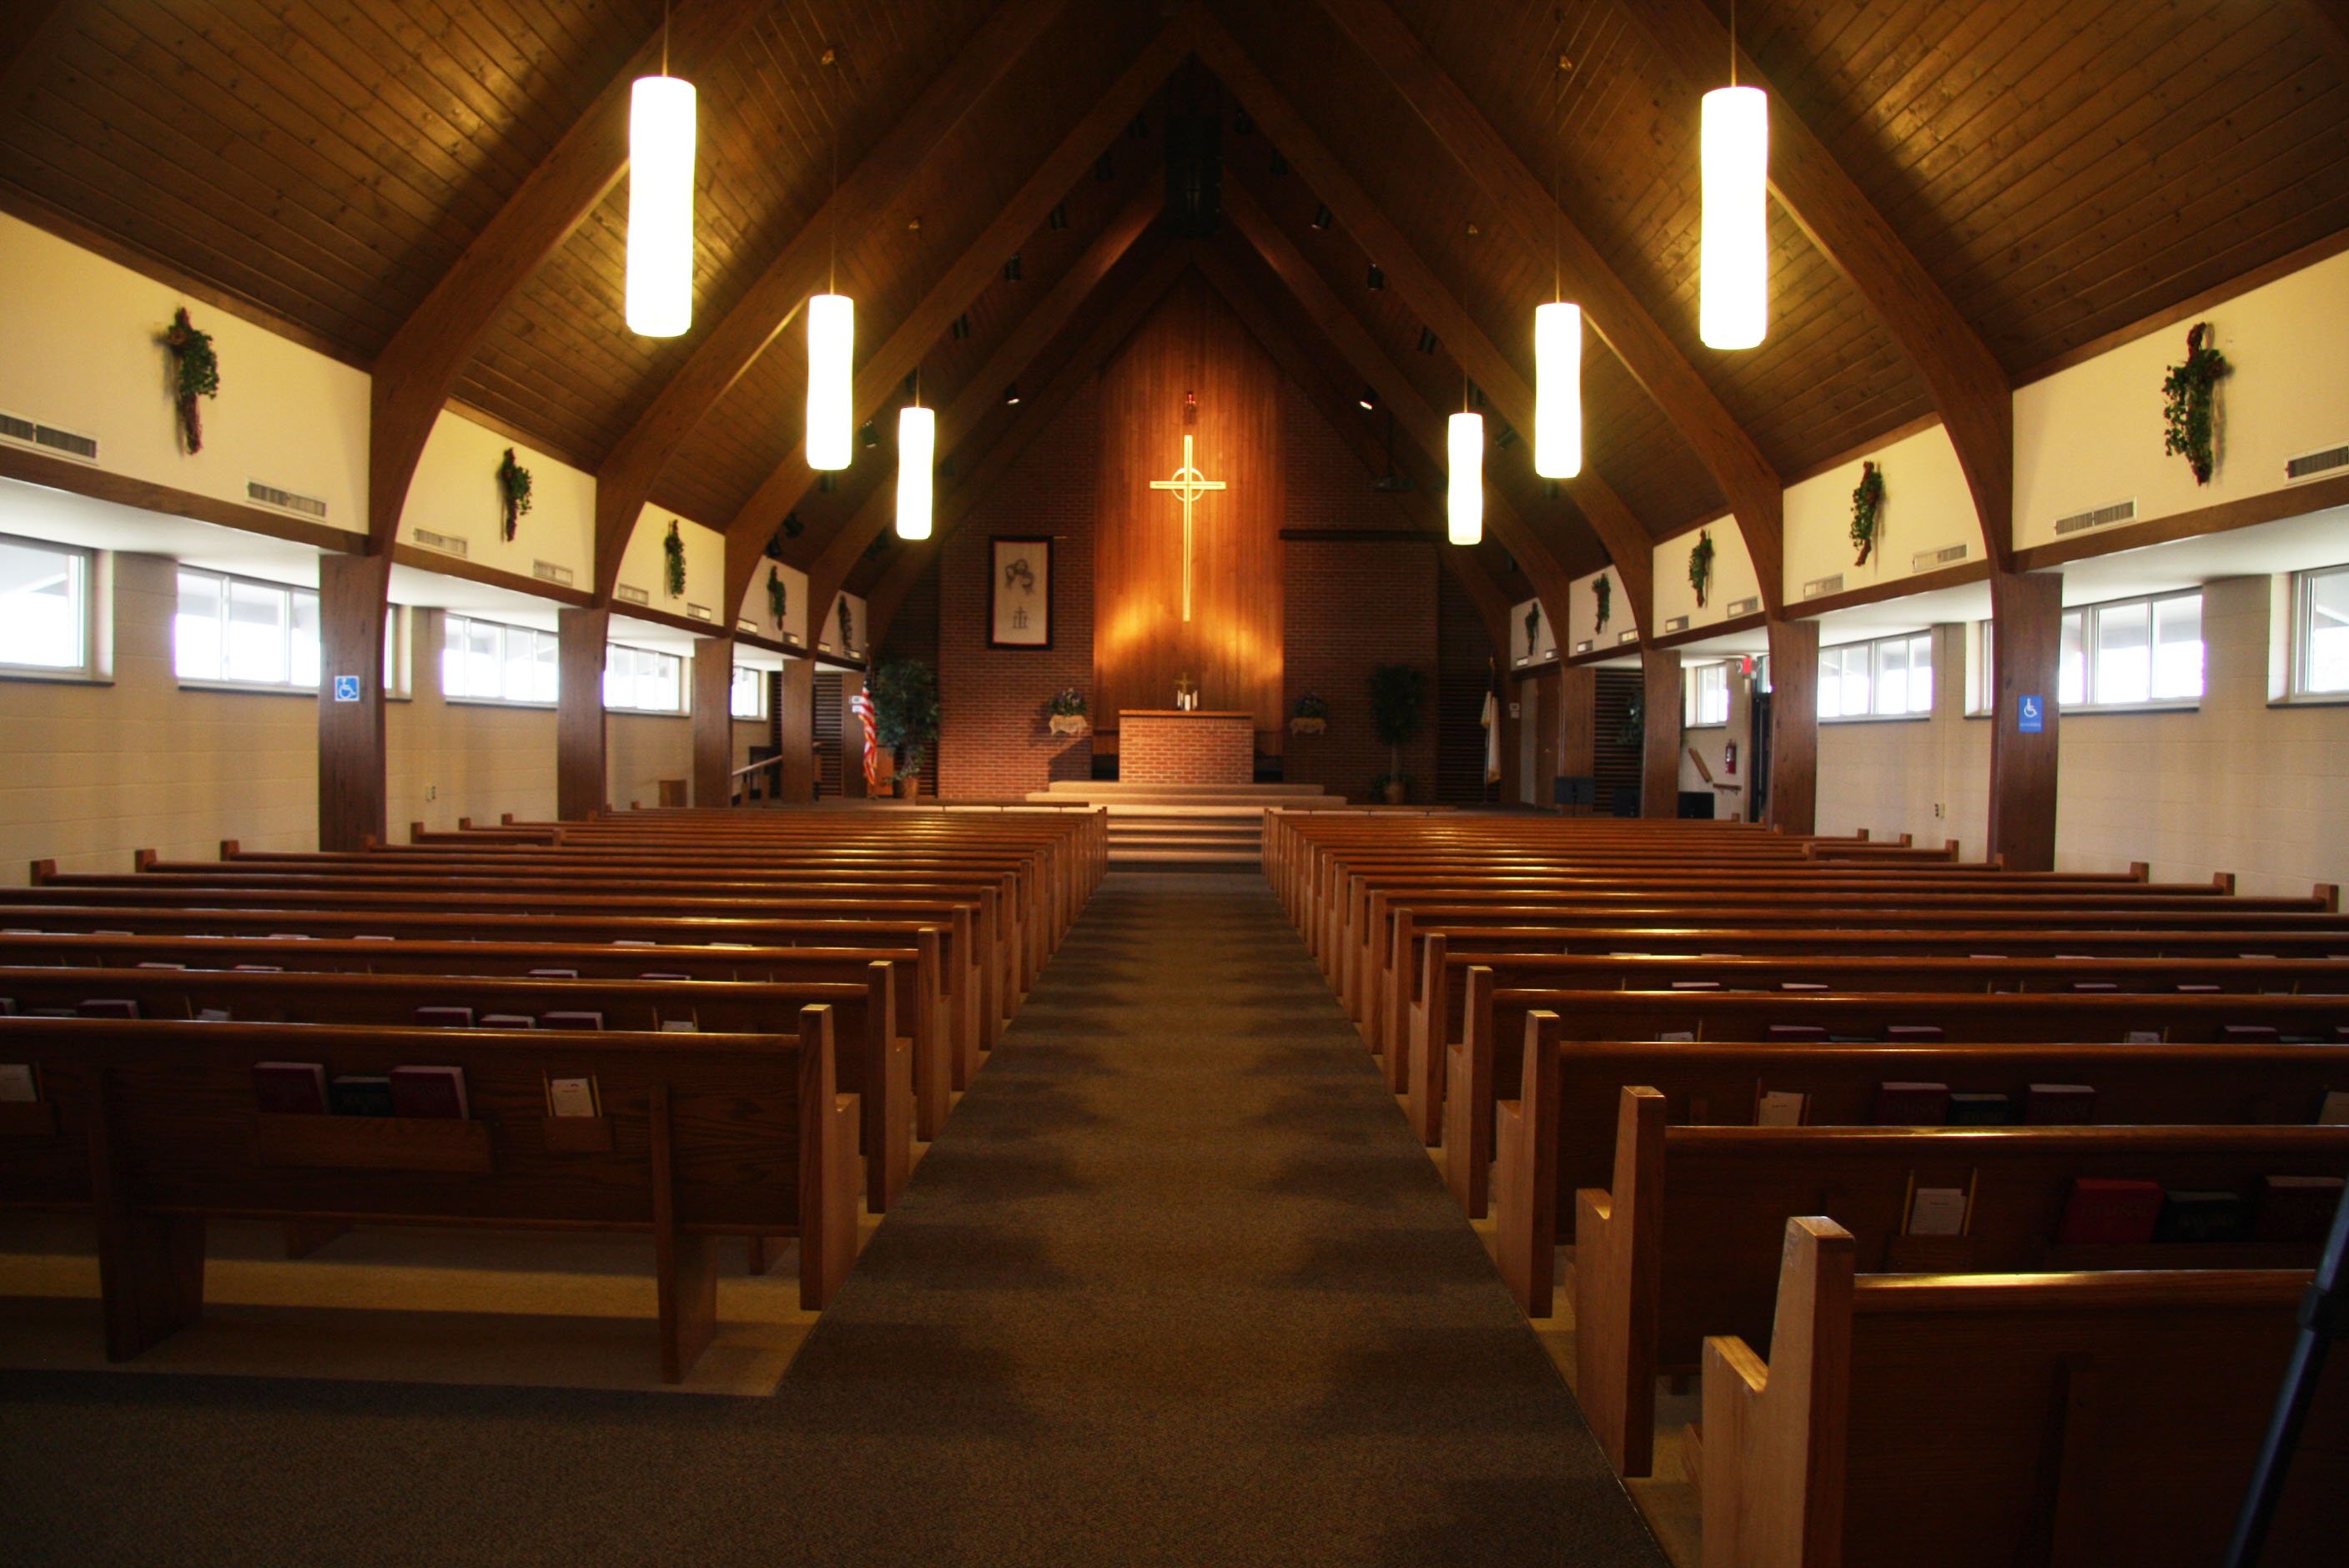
x,y
1867,501
1602,591
513,492
847,632
1701,565
778,598
2190,396
673,547
195,373
1533,625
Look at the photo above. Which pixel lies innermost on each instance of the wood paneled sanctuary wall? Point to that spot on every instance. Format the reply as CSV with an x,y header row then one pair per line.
x,y
1192,346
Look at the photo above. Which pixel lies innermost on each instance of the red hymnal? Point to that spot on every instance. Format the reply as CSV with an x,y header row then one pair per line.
x,y
290,1089
2060,1105
588,1021
445,1017
1912,1104
2104,1211
437,1092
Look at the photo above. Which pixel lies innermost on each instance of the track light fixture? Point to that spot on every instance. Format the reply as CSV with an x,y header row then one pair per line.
x,y
1378,279
1323,217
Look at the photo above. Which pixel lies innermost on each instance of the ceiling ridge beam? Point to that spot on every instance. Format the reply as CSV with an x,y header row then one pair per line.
x,y
966,278
1967,382
418,370
625,480
1262,319
1756,495
978,395
1552,584
1137,301
1619,533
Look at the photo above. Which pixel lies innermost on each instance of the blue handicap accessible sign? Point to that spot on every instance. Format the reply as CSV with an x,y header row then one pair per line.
x,y
2031,716
346,689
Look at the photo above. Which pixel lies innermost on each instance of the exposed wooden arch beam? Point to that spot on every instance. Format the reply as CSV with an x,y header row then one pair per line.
x,y
1967,382
1626,541
29,36
1041,326
961,283
975,479
1755,494
418,369
2333,28
625,481
1262,319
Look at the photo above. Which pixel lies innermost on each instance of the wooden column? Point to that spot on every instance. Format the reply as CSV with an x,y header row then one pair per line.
x,y
1794,725
1660,760
354,604
713,721
795,729
2026,631
579,749
1577,722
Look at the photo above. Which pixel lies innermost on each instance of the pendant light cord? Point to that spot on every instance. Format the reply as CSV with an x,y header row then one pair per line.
x,y
832,58
1733,43
664,38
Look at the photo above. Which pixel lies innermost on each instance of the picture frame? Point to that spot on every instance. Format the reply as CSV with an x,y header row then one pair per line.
x,y
1019,592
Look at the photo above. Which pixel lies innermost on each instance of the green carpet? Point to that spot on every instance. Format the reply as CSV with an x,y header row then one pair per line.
x,y
1176,1286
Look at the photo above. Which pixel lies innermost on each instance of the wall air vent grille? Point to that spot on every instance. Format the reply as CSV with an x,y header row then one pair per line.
x,y
548,572
1677,623
23,432
1623,637
2119,512
1927,560
446,543
748,627
627,595
2316,465
701,612
308,506
1745,607
1583,646
1819,586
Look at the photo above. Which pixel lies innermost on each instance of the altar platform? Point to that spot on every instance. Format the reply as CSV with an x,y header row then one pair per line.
x,y
1218,827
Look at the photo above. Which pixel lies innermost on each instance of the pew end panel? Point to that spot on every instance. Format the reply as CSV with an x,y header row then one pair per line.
x,y
1466,1109
1618,1239
1525,1192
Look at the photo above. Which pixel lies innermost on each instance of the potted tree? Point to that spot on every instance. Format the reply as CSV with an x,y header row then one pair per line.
x,y
905,718
1394,714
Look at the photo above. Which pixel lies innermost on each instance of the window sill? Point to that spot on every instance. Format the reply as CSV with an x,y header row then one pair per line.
x,y
1716,724
650,712
498,702
1878,718
233,688
2100,710
34,675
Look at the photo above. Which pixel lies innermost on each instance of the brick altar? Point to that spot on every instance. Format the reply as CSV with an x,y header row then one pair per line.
x,y
1164,745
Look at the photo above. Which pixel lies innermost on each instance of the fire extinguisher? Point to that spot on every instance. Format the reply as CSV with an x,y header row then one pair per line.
x,y
1729,757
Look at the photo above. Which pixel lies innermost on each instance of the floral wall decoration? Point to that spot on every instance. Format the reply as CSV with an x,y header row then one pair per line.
x,y
2189,396
673,548
1602,592
1866,504
778,598
1701,565
195,373
1533,624
847,628
514,493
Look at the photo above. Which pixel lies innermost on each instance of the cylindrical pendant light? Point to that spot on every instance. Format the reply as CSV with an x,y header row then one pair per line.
x,y
1558,391
1467,500
832,379
660,206
1734,256
917,445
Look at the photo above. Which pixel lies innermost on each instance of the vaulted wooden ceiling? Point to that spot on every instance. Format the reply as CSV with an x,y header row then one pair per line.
x,y
2048,171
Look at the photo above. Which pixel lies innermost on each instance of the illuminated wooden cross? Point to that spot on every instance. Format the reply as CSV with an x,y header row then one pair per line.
x,y
1188,485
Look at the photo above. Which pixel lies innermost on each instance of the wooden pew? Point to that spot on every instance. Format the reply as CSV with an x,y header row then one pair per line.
x,y
154,1124
1939,1422
1684,1242
913,972
875,1059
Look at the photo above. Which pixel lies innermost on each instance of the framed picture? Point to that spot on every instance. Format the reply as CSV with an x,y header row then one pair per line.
x,y
1021,594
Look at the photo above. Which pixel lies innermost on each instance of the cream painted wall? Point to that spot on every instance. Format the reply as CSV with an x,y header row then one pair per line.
x,y
1582,612
456,492
2092,435
645,565
642,750
446,761
1542,643
2235,785
1888,775
1926,507
1733,577
88,358
757,610
90,773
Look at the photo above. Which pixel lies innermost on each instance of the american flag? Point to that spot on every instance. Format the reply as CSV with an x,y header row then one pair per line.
x,y
860,705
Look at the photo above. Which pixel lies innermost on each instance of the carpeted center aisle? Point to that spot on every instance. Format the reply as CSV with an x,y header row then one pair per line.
x,y
1175,1287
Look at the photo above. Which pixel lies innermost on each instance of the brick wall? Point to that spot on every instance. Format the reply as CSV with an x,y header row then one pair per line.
x,y
993,741
1354,606
1208,749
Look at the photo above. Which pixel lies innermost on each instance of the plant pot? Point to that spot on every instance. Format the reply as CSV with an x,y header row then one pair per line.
x,y
1069,724
1391,794
909,786
1308,726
